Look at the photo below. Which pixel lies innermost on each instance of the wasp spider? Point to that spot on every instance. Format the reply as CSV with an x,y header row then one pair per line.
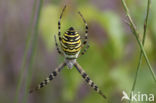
x,y
71,45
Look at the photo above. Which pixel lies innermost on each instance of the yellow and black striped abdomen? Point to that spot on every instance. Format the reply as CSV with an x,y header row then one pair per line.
x,y
71,43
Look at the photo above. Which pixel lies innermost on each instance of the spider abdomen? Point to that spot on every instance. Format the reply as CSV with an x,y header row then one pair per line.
x,y
71,43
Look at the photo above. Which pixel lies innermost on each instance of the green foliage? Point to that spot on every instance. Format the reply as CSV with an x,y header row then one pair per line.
x,y
97,65
48,25
110,61
108,20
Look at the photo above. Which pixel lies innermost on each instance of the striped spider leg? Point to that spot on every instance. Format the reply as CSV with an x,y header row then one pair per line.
x,y
57,46
85,42
84,50
49,78
59,24
88,80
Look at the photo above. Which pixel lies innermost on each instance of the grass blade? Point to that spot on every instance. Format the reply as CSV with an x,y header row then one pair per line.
x,y
133,28
22,68
34,44
143,42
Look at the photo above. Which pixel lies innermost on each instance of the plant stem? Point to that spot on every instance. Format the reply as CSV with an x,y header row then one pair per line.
x,y
34,44
143,42
22,70
133,28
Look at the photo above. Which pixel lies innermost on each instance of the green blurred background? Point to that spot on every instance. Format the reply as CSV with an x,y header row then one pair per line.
x,y
111,60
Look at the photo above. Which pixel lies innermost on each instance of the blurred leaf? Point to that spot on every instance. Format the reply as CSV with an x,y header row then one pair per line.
x,y
121,76
143,86
48,25
111,23
72,80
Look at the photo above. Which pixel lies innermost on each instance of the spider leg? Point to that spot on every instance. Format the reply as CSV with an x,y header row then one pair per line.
x,y
88,80
85,50
50,78
59,24
57,47
86,31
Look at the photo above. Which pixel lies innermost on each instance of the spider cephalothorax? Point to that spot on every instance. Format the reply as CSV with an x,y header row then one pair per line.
x,y
71,44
